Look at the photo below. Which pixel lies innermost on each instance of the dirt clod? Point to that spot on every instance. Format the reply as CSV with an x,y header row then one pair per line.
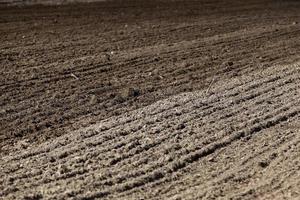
x,y
130,92
230,63
263,163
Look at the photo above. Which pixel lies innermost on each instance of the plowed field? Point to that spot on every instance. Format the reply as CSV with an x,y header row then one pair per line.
x,y
150,100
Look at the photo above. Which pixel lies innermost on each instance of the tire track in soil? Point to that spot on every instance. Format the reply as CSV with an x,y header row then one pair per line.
x,y
90,163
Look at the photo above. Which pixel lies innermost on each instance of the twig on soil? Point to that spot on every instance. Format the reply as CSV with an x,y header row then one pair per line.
x,y
212,81
73,75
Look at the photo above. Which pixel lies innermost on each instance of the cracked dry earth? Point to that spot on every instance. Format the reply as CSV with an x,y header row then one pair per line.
x,y
185,100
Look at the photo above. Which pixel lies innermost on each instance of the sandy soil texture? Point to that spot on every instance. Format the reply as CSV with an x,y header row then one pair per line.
x,y
150,100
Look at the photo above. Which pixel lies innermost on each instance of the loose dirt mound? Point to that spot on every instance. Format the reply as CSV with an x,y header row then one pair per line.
x,y
150,99
240,139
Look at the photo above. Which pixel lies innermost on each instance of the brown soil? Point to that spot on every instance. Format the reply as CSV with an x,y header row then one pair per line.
x,y
150,100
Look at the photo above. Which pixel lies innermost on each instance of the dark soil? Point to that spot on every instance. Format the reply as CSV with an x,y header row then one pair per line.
x,y
88,84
